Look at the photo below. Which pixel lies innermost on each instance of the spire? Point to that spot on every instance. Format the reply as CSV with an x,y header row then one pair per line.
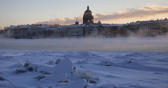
x,y
88,7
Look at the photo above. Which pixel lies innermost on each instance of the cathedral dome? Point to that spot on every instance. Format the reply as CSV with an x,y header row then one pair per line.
x,y
88,11
88,16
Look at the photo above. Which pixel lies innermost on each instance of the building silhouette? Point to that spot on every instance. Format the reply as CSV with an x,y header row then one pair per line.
x,y
88,17
138,28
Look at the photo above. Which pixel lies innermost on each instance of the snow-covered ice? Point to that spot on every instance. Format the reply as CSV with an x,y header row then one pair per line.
x,y
79,69
65,66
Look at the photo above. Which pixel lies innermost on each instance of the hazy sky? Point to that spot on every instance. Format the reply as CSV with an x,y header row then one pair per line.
x,y
14,12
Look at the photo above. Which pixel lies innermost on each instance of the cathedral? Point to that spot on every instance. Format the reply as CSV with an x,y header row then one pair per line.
x,y
88,17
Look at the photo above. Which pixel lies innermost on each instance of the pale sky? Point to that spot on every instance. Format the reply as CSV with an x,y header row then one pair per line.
x,y
18,12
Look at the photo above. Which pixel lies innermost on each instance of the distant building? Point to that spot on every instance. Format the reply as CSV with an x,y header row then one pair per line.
x,y
76,23
139,28
88,17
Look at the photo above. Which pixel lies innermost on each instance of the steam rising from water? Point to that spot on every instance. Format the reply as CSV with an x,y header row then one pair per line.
x,y
143,44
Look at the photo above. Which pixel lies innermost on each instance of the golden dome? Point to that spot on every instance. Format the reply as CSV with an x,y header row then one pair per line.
x,y
88,13
88,10
88,17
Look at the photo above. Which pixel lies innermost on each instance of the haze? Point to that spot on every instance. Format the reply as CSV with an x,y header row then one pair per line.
x,y
137,44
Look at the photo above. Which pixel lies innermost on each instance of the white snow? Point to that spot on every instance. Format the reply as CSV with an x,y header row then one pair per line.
x,y
126,69
65,66
77,84
56,77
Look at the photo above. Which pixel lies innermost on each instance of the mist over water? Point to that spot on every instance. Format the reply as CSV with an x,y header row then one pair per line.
x,y
137,44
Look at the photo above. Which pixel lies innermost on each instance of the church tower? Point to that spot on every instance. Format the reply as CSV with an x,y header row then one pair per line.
x,y
88,17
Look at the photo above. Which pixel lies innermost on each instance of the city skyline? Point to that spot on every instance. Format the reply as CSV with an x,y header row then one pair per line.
x,y
67,12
